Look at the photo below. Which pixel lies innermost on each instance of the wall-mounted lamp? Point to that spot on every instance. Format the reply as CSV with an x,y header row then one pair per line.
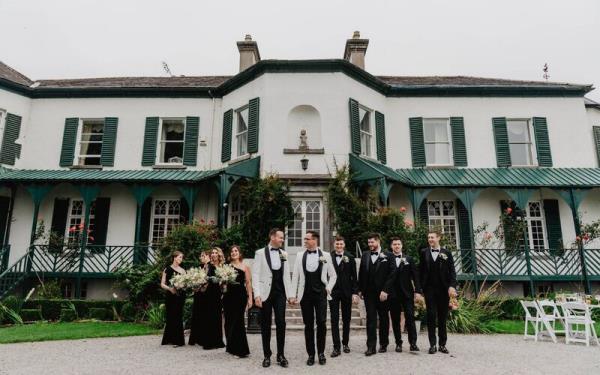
x,y
304,162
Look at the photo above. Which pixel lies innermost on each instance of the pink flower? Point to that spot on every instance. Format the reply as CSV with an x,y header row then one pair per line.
x,y
509,210
578,239
72,229
80,226
586,237
91,238
487,235
402,209
408,223
212,222
202,221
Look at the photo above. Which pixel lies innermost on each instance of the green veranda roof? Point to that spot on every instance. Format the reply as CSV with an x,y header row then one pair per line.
x,y
248,168
366,169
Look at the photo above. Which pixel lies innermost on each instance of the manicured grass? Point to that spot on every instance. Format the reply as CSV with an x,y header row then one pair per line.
x,y
517,326
71,331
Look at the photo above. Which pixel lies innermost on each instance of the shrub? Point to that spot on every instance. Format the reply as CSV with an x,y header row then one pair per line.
x,y
13,303
128,312
473,313
49,290
67,315
31,315
51,309
8,315
156,315
98,313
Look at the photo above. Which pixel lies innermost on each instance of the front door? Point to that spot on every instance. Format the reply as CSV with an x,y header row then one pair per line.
x,y
308,215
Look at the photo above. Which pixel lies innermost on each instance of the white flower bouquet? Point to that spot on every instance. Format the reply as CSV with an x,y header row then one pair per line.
x,y
195,278
178,281
224,275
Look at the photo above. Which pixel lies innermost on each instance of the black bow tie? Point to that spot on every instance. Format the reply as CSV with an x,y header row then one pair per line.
x,y
311,251
274,249
398,256
339,255
435,250
374,253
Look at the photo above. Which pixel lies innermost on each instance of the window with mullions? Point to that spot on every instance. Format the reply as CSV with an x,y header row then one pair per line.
x,y
442,216
520,142
76,217
436,135
236,209
172,136
241,131
366,132
166,214
90,142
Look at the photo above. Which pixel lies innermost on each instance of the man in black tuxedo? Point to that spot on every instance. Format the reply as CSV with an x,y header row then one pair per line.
x,y
345,293
402,288
438,279
373,274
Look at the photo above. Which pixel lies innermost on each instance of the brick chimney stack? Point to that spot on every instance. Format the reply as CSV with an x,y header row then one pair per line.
x,y
249,54
356,49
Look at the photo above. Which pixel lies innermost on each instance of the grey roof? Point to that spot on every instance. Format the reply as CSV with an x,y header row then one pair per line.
x,y
466,81
590,103
9,74
182,81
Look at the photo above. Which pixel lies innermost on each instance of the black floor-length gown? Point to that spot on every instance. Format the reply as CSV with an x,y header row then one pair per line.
x,y
234,307
173,334
213,323
198,324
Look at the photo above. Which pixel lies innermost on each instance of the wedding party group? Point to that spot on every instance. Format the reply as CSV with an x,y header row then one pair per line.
x,y
389,282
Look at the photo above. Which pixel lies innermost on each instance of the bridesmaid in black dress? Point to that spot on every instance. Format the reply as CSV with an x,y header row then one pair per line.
x,y
199,308
174,301
236,301
213,323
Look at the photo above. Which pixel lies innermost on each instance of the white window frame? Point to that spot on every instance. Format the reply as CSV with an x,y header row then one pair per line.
x,y
532,145
160,141
80,218
370,134
542,220
167,216
78,156
301,203
449,142
236,209
442,218
239,135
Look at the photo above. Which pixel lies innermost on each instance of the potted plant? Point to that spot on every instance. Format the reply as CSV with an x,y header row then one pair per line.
x,y
420,313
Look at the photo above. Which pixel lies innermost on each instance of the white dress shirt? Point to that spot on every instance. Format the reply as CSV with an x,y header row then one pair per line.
x,y
275,259
374,256
312,260
338,260
398,259
434,254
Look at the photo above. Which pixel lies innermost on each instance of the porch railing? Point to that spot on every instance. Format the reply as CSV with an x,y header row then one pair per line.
x,y
96,259
547,264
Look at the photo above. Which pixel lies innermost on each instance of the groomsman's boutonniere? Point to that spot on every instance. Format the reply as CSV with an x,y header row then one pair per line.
x,y
405,261
382,257
345,259
443,256
322,259
283,256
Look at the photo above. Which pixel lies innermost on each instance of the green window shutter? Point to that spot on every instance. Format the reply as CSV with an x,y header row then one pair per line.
x,y
60,212
146,216
464,229
226,140
501,141
150,140
459,145
507,224
190,148
4,211
354,127
542,143
596,130
424,213
109,141
10,150
184,211
68,144
380,136
417,142
101,212
553,227
253,125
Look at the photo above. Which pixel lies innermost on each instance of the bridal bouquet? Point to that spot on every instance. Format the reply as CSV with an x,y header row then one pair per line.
x,y
179,281
195,278
225,274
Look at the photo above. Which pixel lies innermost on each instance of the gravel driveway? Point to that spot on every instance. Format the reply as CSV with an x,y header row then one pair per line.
x,y
473,354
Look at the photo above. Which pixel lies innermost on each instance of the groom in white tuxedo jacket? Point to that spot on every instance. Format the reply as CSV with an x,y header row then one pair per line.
x,y
312,282
272,288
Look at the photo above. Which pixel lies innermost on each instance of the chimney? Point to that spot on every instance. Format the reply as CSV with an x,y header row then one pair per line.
x,y
356,49
249,54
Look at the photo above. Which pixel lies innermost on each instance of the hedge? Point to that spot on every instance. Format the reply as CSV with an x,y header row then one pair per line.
x,y
67,315
98,313
31,315
51,309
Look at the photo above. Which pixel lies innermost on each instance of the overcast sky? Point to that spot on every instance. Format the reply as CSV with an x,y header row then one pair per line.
x,y
505,39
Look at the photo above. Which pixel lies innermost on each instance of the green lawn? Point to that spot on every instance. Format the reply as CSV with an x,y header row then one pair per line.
x,y
517,326
71,331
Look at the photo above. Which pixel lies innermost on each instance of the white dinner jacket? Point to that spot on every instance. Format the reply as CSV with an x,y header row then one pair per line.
x,y
262,276
328,275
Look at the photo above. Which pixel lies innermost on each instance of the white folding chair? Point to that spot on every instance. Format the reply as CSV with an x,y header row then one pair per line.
x,y
541,326
573,297
551,313
579,326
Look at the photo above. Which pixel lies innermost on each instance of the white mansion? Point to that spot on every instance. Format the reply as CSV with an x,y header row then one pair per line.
x,y
139,154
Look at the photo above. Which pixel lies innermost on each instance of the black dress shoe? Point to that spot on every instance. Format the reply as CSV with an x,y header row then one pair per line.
x,y
414,348
432,350
311,360
443,349
322,359
370,352
282,361
346,349
335,353
383,349
399,348
267,362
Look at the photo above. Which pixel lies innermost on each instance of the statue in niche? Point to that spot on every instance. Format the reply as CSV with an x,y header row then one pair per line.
x,y
303,143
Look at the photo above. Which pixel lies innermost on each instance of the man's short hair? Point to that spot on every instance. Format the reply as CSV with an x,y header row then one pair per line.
x,y
374,236
395,239
274,231
339,238
314,234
